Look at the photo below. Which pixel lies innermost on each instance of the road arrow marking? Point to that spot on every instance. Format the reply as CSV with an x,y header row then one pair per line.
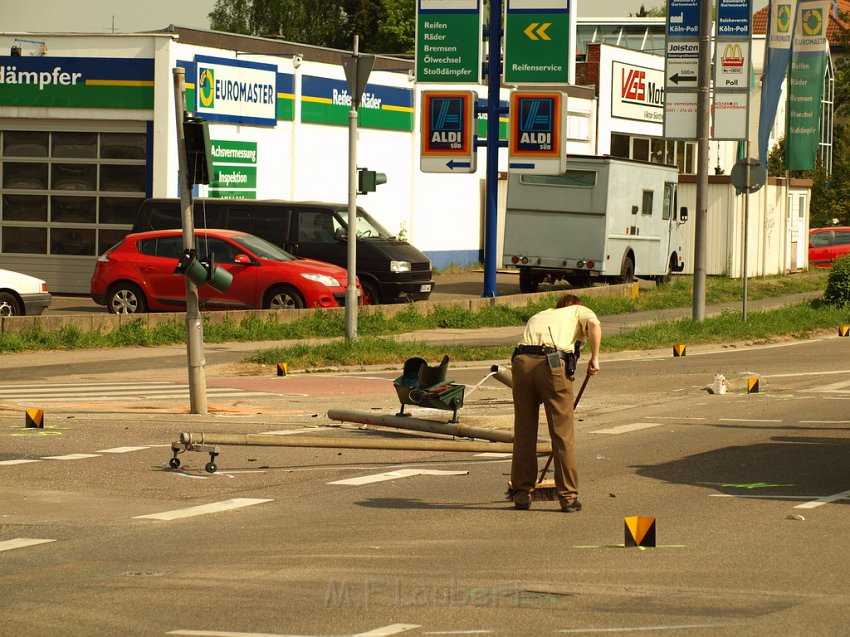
x,y
21,542
215,507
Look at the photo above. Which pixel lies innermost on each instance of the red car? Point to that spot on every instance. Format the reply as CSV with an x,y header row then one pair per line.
x,y
827,244
137,274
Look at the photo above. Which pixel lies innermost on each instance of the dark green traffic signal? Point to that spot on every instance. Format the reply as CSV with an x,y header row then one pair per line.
x,y
369,180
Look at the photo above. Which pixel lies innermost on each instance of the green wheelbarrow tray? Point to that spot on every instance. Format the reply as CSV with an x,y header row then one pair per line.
x,y
426,386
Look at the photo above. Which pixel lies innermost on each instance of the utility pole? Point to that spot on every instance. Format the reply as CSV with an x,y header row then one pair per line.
x,y
194,323
703,115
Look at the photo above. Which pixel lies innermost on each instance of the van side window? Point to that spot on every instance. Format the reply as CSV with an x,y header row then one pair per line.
x,y
207,215
272,223
315,226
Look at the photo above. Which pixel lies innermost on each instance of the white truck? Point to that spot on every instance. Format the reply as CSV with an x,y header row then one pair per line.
x,y
604,217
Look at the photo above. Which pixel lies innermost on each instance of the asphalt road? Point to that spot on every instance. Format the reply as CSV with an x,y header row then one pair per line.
x,y
749,492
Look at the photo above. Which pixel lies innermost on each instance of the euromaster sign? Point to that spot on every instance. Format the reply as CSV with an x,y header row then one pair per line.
x,y
236,91
537,42
70,82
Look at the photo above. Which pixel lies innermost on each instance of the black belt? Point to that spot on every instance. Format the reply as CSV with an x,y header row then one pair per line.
x,y
533,350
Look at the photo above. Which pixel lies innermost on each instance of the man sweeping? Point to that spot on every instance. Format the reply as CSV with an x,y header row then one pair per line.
x,y
543,366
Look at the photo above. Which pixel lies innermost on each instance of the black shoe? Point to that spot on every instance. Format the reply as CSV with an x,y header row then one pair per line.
x,y
522,506
572,507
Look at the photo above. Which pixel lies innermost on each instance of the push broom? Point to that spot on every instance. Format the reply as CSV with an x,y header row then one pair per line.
x,y
545,489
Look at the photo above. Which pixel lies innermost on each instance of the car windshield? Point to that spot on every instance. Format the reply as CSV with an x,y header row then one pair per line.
x,y
367,226
263,248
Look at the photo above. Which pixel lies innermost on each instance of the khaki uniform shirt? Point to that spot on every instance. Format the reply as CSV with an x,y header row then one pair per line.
x,y
559,328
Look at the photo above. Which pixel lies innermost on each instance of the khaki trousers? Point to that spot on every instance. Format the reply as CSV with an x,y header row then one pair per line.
x,y
534,382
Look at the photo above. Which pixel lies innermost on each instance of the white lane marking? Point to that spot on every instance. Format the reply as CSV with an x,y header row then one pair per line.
x,y
824,500
289,432
681,418
122,449
645,628
21,542
392,629
18,461
753,496
490,454
385,631
840,387
821,373
459,632
71,456
395,475
622,429
825,422
203,509
748,420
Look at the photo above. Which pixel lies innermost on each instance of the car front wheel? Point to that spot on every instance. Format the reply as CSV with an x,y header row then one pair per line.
x,y
284,297
126,298
9,305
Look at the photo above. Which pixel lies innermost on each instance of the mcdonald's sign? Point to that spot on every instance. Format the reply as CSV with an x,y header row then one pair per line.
x,y
732,58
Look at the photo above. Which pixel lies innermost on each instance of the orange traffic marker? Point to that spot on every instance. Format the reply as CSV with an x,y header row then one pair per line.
x,y
844,330
679,349
35,418
640,531
282,369
753,385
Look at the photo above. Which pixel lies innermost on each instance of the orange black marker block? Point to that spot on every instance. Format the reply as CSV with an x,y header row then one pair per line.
x,y
282,369
753,385
844,330
640,531
35,418
679,349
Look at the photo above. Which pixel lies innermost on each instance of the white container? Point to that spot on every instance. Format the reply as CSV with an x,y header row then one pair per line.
x,y
719,386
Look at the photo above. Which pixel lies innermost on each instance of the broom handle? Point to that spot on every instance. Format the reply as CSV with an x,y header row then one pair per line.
x,y
575,404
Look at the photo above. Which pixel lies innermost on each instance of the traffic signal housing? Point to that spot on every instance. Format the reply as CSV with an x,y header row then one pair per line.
x,y
202,272
369,180
196,134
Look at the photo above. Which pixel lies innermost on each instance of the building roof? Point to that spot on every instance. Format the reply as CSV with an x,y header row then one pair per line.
x,y
837,31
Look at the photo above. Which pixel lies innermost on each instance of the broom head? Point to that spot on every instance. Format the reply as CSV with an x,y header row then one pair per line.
x,y
545,490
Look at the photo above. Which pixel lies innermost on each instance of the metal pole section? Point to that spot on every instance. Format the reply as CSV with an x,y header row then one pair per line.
x,y
194,323
351,286
492,174
703,114
746,230
188,440
416,424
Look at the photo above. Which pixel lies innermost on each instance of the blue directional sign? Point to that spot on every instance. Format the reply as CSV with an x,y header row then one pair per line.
x,y
537,139
734,18
682,18
448,127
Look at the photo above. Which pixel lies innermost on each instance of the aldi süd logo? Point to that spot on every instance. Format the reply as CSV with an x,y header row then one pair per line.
x,y
236,91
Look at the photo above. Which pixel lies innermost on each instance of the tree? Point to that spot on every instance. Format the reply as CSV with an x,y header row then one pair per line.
x,y
656,12
384,26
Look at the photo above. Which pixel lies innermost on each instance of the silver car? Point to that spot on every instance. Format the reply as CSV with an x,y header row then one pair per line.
x,y
22,295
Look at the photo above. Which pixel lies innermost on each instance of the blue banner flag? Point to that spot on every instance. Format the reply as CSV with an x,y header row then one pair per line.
x,y
780,30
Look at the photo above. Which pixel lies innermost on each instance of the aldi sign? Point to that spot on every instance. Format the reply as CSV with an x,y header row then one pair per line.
x,y
235,91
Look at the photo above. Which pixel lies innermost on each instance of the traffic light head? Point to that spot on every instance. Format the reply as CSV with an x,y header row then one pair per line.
x,y
198,156
369,180
201,272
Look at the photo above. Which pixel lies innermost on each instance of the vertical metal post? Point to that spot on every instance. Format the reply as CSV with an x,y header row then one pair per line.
x,y
746,230
491,214
351,286
194,323
703,114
